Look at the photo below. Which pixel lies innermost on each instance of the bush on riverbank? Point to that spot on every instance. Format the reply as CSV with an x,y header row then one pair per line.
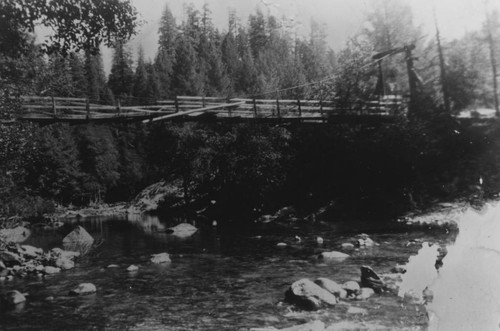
x,y
256,168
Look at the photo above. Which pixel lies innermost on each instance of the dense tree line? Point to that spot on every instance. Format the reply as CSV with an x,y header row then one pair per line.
x,y
249,167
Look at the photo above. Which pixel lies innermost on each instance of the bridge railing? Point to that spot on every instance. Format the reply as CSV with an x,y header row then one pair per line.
x,y
56,108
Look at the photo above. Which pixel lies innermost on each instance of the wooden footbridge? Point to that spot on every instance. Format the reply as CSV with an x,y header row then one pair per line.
x,y
48,110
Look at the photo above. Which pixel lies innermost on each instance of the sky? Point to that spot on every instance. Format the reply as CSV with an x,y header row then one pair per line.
x,y
342,18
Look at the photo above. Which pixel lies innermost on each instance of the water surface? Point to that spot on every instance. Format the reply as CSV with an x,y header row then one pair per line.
x,y
223,278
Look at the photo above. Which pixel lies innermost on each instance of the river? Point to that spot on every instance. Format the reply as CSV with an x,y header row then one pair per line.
x,y
225,277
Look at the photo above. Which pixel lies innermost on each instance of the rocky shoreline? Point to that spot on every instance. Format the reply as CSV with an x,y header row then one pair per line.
x,y
17,260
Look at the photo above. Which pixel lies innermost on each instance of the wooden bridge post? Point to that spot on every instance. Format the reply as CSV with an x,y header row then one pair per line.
x,y
118,106
300,108
254,108
176,103
54,106
230,109
87,108
203,102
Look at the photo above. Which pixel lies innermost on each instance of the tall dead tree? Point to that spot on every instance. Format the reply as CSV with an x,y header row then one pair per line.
x,y
491,43
444,87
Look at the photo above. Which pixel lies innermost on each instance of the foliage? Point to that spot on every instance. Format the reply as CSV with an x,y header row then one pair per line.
x,y
76,26
243,167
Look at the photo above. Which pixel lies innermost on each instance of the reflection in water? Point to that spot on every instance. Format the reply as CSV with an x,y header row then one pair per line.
x,y
467,291
420,272
149,224
221,278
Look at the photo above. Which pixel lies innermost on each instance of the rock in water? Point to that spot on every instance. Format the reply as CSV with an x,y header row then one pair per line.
x,y
363,240
14,297
311,326
65,263
83,288
183,230
332,287
369,278
352,288
3,269
365,293
31,251
132,268
161,258
10,258
15,235
57,252
309,296
78,235
347,246
400,269
51,270
357,310
334,255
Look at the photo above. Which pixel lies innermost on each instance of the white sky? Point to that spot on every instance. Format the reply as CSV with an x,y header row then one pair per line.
x,y
342,18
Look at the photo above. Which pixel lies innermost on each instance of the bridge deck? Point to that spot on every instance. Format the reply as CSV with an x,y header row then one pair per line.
x,y
47,110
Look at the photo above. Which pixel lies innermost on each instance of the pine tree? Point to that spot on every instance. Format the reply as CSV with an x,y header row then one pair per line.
x,y
78,75
153,84
229,52
121,78
59,81
140,79
246,76
165,59
186,78
257,33
97,90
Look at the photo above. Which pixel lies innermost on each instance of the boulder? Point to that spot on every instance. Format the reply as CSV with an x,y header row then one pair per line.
x,y
65,254
332,287
347,246
152,196
281,244
160,258
309,296
31,251
10,259
352,288
183,230
65,263
14,297
83,289
363,240
15,235
132,268
369,278
399,269
51,270
3,270
78,235
428,295
365,293
357,311
333,255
